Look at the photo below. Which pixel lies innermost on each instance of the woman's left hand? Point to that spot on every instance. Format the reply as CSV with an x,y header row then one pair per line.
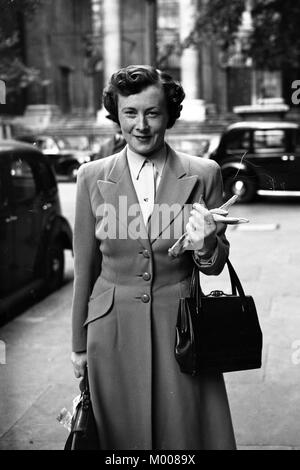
x,y
201,229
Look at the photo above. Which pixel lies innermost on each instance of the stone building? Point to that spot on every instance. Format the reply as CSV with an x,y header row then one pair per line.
x,y
78,44
56,44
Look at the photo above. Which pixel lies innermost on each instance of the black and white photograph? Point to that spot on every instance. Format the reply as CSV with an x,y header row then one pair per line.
x,y
149,227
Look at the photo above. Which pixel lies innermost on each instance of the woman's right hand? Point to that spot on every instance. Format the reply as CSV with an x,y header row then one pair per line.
x,y
79,361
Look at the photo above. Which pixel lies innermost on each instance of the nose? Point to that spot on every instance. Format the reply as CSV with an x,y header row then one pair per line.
x,y
142,123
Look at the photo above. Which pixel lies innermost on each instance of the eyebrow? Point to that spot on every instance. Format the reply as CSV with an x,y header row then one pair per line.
x,y
132,108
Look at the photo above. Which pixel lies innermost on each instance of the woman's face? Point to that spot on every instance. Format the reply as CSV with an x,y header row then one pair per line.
x,y
143,119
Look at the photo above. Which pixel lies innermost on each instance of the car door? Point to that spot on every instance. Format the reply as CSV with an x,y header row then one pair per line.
x,y
294,159
27,211
7,222
270,158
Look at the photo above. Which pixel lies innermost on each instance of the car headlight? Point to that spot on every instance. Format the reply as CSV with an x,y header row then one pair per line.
x,y
84,159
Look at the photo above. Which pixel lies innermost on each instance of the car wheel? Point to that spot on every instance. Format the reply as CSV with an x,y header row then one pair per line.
x,y
243,186
72,171
54,266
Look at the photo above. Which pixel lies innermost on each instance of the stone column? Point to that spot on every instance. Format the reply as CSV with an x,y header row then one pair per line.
x,y
111,47
111,37
193,107
150,32
2,92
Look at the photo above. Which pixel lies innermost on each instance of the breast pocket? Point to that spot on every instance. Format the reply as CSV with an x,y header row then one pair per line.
x,y
100,305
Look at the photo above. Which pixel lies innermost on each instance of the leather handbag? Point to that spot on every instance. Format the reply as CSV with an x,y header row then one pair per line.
x,y
83,434
218,331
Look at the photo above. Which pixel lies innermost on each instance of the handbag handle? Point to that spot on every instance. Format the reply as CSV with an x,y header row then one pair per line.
x,y
236,286
84,383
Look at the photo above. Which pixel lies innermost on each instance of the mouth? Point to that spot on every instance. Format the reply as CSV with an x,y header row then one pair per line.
x,y
143,138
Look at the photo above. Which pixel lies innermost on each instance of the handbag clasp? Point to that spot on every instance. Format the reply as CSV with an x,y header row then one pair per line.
x,y
217,293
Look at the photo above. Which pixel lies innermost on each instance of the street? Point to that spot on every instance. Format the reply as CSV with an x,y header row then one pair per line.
x,y
37,381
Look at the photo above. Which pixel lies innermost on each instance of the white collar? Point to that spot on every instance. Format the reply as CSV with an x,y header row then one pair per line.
x,y
136,161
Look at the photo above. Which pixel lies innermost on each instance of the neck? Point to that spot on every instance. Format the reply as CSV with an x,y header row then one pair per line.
x,y
162,150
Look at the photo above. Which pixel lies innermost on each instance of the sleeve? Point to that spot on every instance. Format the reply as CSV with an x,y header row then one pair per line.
x,y
214,198
86,257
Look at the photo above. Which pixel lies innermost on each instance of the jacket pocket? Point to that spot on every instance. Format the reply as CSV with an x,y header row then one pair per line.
x,y
100,305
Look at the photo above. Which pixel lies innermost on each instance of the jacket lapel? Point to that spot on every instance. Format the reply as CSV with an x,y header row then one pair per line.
x,y
174,190
119,192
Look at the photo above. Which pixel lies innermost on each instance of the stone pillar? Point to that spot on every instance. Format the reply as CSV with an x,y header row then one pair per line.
x,y
2,92
111,47
111,37
150,32
96,58
193,107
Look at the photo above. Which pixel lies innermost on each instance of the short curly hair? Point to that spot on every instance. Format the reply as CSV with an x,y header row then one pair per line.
x,y
134,79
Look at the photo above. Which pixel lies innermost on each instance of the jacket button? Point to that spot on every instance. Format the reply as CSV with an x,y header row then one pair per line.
x,y
145,298
146,254
146,276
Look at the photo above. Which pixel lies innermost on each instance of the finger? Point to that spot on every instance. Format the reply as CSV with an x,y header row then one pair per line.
x,y
230,220
200,208
237,221
218,211
241,220
193,238
229,203
193,225
194,235
198,225
190,227
196,219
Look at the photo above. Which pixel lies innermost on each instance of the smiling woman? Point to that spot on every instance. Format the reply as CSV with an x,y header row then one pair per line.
x,y
143,119
126,286
135,79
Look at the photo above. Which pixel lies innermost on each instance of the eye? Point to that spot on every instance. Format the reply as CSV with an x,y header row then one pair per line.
x,y
153,113
129,112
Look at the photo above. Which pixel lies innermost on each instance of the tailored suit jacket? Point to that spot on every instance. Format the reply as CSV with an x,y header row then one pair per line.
x,y
125,302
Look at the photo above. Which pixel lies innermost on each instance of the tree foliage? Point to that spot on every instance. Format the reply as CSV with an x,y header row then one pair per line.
x,y
273,43
12,67
220,20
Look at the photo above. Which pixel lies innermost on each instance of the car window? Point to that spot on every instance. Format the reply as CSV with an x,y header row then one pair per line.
x,y
47,145
238,140
193,146
23,181
46,177
74,142
269,139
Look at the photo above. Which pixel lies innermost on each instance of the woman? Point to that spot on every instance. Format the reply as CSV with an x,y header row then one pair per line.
x,y
127,288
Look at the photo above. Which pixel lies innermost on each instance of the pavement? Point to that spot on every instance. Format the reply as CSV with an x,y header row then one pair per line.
x,y
37,381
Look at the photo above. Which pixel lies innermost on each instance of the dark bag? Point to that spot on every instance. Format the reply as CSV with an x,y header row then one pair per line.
x,y
83,435
217,332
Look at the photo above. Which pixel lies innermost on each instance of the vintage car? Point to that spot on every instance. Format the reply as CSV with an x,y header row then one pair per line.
x,y
259,156
33,232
